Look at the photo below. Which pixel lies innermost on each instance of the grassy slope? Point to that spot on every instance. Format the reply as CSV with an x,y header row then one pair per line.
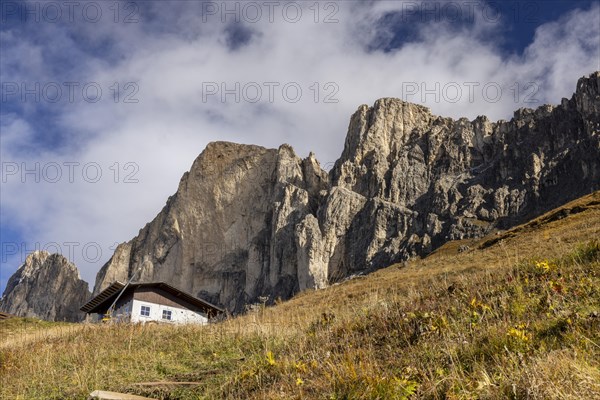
x,y
18,331
516,316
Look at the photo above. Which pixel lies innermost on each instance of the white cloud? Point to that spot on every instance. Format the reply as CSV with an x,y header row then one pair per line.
x,y
171,56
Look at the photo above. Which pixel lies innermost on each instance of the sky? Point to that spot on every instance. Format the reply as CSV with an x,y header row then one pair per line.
x,y
104,104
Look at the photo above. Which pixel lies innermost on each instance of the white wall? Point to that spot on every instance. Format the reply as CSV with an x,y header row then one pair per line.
x,y
178,315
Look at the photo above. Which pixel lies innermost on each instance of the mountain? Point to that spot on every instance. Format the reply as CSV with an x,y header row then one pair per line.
x,y
228,234
46,286
248,222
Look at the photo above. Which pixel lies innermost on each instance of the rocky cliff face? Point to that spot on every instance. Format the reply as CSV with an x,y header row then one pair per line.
x,y
46,286
227,235
427,179
248,221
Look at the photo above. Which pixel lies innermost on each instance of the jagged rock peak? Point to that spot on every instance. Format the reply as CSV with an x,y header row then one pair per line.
x,y
589,84
227,235
46,286
587,96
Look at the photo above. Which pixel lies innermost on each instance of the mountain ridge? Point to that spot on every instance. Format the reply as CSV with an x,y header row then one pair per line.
x,y
248,222
406,182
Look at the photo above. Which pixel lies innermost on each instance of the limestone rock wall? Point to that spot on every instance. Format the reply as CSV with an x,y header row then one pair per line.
x,y
228,234
248,221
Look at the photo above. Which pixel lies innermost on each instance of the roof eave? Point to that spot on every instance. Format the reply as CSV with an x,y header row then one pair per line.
x,y
94,304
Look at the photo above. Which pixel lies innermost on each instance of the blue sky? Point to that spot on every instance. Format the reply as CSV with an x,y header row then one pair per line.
x,y
101,166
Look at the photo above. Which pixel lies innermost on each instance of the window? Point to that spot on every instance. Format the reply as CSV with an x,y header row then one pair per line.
x,y
166,314
145,311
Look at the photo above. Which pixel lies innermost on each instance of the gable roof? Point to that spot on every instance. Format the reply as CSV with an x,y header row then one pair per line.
x,y
105,298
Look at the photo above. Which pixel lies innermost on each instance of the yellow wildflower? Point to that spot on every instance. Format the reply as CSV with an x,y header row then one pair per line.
x,y
270,358
543,266
518,332
300,366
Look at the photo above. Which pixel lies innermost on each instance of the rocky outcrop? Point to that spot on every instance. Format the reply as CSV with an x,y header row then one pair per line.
x,y
228,234
248,221
463,178
46,286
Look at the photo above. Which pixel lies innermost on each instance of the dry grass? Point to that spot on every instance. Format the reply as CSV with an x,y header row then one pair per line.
x,y
517,318
17,332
